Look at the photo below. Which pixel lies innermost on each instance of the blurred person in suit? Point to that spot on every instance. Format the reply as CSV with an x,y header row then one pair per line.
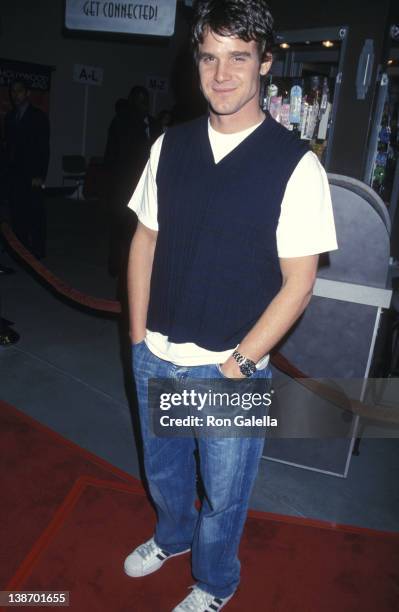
x,y
165,118
27,134
4,216
130,136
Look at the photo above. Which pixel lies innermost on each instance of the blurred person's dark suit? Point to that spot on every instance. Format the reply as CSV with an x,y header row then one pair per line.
x,y
4,215
27,144
130,136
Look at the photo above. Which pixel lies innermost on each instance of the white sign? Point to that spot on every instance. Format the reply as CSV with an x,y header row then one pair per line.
x,y
150,17
87,75
157,84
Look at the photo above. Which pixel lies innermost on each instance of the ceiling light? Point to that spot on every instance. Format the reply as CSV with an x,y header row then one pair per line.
x,y
284,46
328,43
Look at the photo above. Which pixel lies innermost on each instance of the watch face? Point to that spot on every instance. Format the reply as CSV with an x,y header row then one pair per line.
x,y
248,368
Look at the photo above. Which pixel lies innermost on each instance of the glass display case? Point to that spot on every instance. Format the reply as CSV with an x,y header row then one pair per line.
x,y
382,165
382,168
301,90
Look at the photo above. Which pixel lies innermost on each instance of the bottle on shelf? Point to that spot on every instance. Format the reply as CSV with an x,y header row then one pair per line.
x,y
285,111
275,101
295,104
311,110
325,97
270,92
324,116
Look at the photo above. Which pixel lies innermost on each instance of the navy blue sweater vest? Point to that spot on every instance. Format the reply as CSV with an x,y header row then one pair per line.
x,y
216,266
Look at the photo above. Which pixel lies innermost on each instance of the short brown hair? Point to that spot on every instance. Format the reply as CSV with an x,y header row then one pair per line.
x,y
245,19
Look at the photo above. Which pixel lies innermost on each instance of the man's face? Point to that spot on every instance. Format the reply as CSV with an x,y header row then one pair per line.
x,y
141,102
229,70
19,94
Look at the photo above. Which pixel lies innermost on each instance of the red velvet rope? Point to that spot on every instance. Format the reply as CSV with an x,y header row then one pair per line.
x,y
386,414
59,285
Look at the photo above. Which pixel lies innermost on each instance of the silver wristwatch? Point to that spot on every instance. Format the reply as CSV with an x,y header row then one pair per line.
x,y
247,366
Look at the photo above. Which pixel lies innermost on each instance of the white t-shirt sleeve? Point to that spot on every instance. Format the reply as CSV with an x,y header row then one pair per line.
x,y
144,200
306,224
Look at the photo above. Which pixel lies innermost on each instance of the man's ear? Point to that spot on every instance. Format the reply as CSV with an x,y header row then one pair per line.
x,y
266,64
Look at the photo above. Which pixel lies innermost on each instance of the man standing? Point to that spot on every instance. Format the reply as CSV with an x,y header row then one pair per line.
x,y
27,135
130,136
233,211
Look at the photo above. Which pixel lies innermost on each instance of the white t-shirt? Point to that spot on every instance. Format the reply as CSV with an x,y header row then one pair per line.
x,y
305,227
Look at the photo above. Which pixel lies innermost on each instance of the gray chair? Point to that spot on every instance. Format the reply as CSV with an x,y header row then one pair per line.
x,y
335,339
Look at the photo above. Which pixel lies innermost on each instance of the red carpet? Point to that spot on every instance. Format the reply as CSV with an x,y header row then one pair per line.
x,y
70,518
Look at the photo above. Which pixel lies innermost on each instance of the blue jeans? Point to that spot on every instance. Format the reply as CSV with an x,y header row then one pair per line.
x,y
228,469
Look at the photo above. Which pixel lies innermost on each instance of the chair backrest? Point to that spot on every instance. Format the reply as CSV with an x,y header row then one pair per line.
x,y
73,164
335,337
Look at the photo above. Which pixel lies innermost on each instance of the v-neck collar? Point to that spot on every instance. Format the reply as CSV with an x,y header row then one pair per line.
x,y
237,152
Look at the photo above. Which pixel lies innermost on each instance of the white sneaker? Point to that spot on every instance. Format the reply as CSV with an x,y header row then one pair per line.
x,y
147,558
200,601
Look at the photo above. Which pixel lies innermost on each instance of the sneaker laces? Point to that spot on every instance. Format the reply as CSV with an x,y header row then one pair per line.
x,y
197,599
147,549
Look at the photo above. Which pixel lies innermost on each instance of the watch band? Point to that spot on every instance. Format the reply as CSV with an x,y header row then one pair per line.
x,y
247,366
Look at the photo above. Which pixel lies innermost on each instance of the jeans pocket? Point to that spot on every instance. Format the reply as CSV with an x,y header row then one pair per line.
x,y
137,344
221,375
264,373
137,353
219,372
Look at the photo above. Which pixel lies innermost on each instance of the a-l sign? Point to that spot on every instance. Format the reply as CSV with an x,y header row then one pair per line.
x,y
150,17
87,75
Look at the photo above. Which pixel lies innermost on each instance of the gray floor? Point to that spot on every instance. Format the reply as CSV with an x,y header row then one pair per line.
x,y
67,372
